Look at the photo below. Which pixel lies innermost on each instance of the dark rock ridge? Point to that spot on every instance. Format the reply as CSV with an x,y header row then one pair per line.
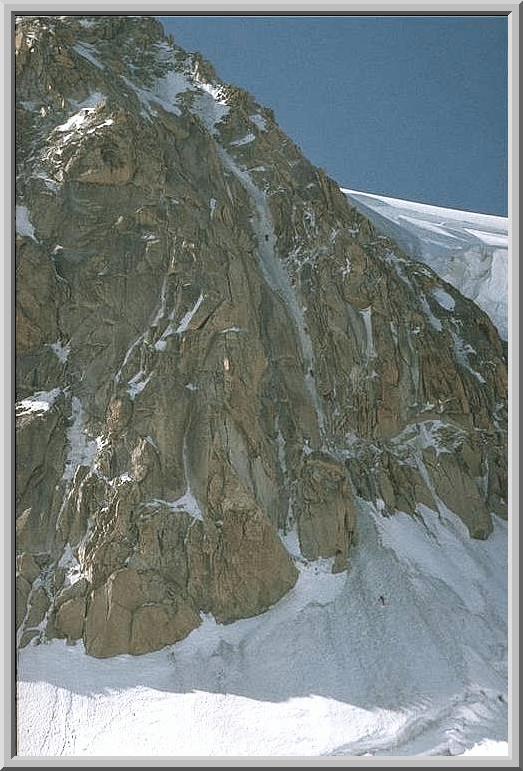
x,y
213,349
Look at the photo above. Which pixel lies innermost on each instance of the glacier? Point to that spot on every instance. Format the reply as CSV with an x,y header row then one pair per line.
x,y
466,249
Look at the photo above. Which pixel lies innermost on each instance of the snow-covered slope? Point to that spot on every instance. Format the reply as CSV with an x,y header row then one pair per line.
x,y
404,655
468,250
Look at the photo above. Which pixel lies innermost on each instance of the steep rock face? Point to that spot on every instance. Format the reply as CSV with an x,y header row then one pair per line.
x,y
214,349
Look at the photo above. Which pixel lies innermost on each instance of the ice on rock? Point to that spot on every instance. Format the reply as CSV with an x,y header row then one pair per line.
x,y
462,351
367,321
259,121
186,320
88,52
444,299
275,274
82,450
24,226
137,384
246,140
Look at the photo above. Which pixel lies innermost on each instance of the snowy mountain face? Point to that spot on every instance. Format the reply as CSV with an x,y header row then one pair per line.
x,y
468,250
261,452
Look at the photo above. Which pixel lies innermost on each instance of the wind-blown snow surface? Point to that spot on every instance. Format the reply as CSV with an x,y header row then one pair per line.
x,y
329,670
468,250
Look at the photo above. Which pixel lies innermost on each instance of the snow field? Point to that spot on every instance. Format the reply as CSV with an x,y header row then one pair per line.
x,y
329,670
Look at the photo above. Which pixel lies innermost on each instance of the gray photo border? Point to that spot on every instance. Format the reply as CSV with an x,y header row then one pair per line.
x,y
239,8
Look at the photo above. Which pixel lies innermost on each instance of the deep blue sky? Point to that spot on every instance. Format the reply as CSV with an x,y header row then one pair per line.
x,y
414,108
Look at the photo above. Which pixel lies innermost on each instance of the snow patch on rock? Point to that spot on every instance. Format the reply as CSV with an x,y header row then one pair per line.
x,y
39,402
246,140
61,351
259,121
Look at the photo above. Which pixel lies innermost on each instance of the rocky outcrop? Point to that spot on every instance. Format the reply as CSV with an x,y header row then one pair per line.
x,y
214,350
